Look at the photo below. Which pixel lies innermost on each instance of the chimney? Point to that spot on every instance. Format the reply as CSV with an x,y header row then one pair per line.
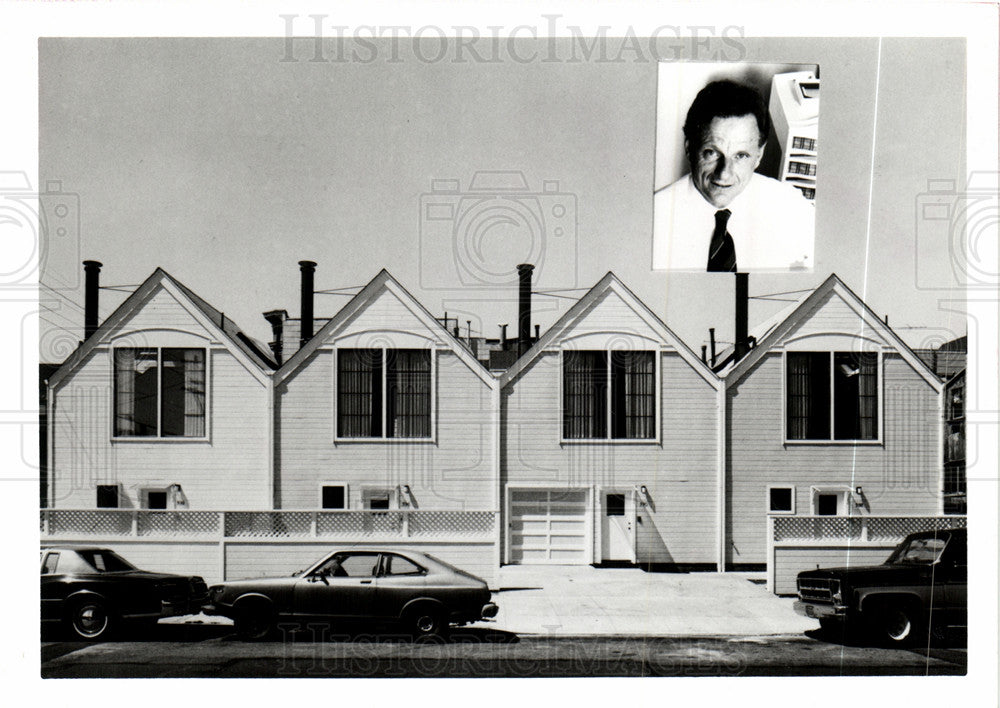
x,y
711,342
276,318
524,308
704,356
742,300
92,283
537,332
308,269
503,337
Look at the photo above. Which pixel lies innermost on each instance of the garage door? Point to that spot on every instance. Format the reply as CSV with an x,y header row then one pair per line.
x,y
549,526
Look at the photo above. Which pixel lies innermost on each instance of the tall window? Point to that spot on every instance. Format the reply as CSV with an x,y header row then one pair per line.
x,y
609,395
832,396
383,393
159,392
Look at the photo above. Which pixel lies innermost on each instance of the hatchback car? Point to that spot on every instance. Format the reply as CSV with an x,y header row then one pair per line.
x,y
92,590
417,590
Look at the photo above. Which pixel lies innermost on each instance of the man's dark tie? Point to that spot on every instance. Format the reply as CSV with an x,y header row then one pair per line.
x,y
722,250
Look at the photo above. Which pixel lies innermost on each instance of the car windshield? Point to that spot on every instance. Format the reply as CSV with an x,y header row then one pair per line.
x,y
919,551
106,561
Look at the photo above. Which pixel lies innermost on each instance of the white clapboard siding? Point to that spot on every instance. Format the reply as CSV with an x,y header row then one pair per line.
x,y
162,311
454,471
228,470
679,472
899,477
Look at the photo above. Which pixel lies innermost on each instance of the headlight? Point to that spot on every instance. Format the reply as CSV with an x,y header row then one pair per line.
x,y
835,592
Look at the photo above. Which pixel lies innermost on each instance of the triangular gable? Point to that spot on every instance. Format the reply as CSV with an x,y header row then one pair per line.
x,y
776,333
364,299
580,309
214,323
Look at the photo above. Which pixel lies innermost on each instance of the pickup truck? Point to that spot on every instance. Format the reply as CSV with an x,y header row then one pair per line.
x,y
920,587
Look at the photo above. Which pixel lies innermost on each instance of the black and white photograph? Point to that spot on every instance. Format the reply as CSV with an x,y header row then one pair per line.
x,y
400,346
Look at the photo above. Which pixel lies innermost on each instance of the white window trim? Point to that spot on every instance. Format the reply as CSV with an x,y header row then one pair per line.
x,y
144,497
157,439
347,495
845,506
432,439
657,405
369,490
878,441
767,499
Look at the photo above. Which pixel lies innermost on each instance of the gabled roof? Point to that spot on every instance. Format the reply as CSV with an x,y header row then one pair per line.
x,y
609,282
223,328
358,303
771,331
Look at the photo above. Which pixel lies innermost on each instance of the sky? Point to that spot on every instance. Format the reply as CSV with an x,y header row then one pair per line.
x,y
226,161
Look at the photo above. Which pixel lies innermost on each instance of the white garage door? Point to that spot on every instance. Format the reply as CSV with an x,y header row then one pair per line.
x,y
549,526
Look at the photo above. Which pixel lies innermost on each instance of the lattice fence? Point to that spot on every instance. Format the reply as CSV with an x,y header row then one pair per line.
x,y
173,523
464,524
268,524
96,522
869,528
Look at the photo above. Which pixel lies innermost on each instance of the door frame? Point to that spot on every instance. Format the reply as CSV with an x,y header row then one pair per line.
x,y
537,486
631,513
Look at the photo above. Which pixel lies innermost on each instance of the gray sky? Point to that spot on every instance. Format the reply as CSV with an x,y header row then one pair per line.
x,y
225,165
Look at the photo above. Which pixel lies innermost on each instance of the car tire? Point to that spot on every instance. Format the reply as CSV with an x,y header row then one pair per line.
x,y
90,619
899,624
426,623
253,620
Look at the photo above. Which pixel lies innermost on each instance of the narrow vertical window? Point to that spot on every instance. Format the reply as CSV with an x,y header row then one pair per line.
x,y
585,392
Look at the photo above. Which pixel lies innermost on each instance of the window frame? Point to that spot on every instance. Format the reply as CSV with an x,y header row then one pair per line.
x,y
657,355
831,440
144,492
845,504
370,490
432,438
108,487
347,495
767,499
159,437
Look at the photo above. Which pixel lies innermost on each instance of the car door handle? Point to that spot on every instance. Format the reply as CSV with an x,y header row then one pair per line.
x,y
366,582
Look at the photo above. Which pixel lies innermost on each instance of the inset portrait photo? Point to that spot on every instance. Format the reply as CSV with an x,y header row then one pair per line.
x,y
736,167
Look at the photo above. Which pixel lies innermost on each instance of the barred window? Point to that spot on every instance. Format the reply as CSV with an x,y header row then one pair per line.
x,y
609,395
383,393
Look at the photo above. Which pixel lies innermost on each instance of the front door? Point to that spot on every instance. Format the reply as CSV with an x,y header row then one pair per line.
x,y
617,526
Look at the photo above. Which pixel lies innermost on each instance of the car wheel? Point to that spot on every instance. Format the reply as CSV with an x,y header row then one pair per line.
x,y
90,619
899,624
426,623
253,621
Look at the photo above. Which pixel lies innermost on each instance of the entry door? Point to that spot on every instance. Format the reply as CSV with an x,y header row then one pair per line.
x,y
617,526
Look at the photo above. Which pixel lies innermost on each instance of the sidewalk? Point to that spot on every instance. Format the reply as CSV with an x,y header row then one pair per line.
x,y
575,600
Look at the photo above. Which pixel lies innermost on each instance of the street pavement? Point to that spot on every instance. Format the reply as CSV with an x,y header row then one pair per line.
x,y
587,601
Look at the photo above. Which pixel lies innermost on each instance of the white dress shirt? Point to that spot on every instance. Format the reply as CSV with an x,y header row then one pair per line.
x,y
772,226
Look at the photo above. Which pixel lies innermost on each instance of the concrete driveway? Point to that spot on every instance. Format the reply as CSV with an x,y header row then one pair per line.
x,y
578,600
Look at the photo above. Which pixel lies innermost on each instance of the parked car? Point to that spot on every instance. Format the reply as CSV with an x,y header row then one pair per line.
x,y
921,586
92,591
421,592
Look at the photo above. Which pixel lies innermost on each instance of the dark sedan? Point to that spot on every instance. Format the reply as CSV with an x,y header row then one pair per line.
x,y
421,592
92,591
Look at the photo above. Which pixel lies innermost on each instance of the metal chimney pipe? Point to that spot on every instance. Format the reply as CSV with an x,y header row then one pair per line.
x,y
704,356
92,284
742,305
524,307
503,337
711,342
308,269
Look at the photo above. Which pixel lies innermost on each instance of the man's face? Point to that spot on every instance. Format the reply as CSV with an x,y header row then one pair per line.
x,y
730,151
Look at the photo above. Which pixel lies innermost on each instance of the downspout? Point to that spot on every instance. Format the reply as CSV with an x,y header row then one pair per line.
x,y
50,423
501,524
940,446
272,487
721,536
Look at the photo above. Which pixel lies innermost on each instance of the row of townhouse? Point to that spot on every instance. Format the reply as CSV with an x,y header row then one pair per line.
x,y
606,440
